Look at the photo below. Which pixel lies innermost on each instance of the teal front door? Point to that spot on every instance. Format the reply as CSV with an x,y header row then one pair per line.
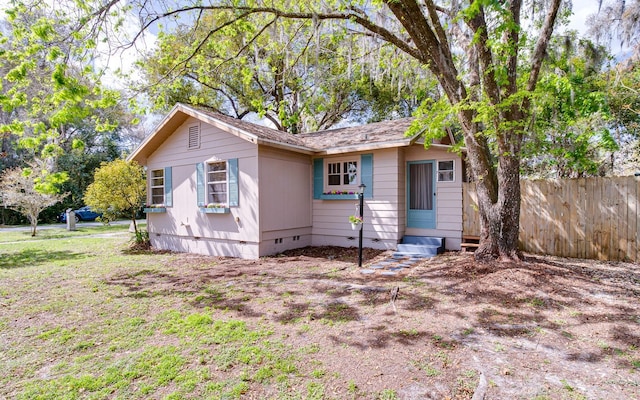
x,y
421,195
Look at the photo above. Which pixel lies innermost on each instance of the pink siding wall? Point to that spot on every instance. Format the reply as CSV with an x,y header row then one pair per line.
x,y
385,214
183,227
381,231
285,200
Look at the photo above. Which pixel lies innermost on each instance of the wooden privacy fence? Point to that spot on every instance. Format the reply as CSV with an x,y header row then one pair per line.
x,y
593,218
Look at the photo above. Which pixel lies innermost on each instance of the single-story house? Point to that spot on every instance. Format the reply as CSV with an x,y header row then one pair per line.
x,y
227,187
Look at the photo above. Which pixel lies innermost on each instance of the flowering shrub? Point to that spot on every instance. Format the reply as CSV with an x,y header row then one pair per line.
x,y
354,219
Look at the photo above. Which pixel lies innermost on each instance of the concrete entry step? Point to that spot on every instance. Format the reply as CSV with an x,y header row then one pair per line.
x,y
419,250
420,246
424,240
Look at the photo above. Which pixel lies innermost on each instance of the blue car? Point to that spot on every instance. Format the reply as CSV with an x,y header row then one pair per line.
x,y
82,214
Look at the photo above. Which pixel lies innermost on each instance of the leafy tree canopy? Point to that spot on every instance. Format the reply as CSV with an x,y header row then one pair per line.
x,y
47,84
570,134
299,74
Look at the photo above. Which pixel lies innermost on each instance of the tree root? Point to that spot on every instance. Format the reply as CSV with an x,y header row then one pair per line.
x,y
487,254
481,389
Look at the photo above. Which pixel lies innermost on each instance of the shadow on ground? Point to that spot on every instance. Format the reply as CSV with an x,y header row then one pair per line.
x,y
34,257
518,301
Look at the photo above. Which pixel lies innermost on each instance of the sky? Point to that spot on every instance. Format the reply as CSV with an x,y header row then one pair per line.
x,y
581,10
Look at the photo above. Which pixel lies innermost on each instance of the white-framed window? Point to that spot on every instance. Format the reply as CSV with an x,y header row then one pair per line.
x,y
194,137
217,182
445,171
342,174
157,186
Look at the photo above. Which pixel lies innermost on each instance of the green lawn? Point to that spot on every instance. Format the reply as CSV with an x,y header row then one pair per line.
x,y
82,317
68,331
15,235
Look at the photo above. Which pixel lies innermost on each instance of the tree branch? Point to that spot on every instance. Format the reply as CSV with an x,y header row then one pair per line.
x,y
478,25
432,9
513,36
274,121
541,45
351,15
214,88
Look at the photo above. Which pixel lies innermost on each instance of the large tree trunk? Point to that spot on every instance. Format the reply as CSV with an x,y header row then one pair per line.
x,y
498,187
498,190
500,217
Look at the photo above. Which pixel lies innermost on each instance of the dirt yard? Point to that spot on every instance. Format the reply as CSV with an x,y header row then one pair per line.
x,y
546,328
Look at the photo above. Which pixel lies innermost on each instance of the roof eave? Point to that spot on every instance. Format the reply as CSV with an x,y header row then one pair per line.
x,y
365,147
285,146
136,155
443,146
241,133
250,137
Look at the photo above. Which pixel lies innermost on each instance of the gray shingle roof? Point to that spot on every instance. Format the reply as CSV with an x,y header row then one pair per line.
x,y
260,131
379,132
332,141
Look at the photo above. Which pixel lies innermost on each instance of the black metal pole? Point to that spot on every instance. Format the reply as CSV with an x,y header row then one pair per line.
x,y
361,198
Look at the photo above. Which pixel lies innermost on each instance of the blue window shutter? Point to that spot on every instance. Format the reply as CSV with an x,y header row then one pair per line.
x,y
318,175
366,173
200,184
234,192
168,190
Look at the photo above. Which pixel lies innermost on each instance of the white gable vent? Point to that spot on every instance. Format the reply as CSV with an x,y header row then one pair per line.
x,y
194,137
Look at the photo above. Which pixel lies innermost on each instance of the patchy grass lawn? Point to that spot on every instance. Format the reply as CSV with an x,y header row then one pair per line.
x,y
80,317
48,232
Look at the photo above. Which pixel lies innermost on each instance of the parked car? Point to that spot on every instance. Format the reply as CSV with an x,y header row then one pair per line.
x,y
82,214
